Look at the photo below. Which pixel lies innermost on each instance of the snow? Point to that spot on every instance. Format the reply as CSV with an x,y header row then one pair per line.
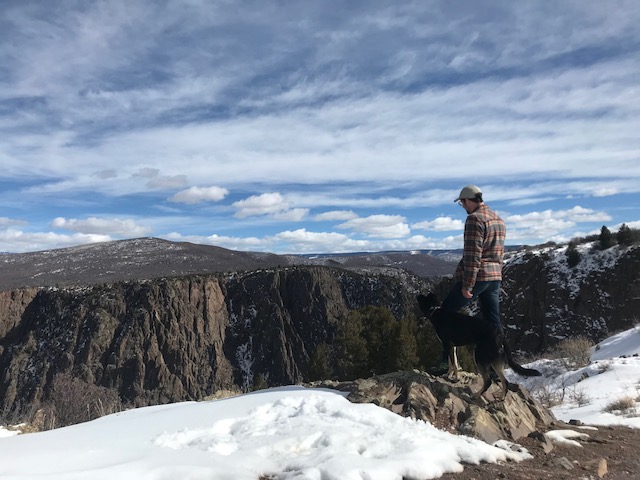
x,y
300,433
613,374
292,432
565,437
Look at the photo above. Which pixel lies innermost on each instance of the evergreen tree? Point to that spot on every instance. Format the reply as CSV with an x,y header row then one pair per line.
x,y
405,345
352,354
573,255
605,240
320,364
624,235
259,382
379,331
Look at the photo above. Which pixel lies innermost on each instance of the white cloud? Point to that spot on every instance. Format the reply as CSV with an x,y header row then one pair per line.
x,y
18,241
264,204
383,226
293,215
440,224
10,222
94,225
557,219
335,215
157,181
195,195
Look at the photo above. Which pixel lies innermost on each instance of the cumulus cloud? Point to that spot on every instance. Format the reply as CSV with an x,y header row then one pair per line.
x,y
557,218
293,215
440,224
103,226
383,226
264,204
195,195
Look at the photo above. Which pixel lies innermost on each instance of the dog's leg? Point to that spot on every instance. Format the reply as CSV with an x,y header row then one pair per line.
x,y
485,371
454,366
499,369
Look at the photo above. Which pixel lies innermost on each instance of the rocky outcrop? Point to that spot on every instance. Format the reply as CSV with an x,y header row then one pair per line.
x,y
547,300
450,406
182,338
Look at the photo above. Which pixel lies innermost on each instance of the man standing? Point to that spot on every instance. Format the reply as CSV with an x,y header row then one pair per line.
x,y
479,273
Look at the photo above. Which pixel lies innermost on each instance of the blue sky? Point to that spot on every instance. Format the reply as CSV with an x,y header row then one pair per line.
x,y
300,127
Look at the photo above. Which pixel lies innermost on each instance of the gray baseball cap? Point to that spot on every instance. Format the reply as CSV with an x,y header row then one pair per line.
x,y
469,192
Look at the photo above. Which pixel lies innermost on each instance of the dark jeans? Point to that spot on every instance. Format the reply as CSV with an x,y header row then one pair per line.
x,y
487,294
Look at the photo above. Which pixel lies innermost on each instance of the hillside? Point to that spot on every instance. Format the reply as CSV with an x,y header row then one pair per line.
x,y
147,258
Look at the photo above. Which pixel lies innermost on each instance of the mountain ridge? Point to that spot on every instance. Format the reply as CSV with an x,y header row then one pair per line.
x,y
150,257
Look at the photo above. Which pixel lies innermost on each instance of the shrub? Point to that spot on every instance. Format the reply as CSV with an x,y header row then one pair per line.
x,y
547,396
623,405
575,352
579,396
73,400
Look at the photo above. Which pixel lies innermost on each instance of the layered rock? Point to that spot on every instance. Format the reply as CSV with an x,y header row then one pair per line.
x,y
451,406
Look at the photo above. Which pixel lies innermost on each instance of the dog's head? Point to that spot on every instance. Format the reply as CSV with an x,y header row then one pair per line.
x,y
428,303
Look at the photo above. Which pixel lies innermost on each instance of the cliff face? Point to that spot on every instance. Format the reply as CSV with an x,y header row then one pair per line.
x,y
547,300
183,338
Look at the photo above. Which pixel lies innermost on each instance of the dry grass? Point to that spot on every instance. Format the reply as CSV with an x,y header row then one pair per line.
x,y
622,406
575,352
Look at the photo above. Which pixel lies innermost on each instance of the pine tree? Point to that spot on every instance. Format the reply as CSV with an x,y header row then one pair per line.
x,y
405,345
573,255
352,354
605,240
624,235
320,364
379,331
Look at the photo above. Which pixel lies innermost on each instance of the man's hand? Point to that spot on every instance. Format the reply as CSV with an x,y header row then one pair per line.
x,y
467,293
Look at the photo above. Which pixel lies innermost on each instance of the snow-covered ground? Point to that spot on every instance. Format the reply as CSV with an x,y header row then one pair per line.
x,y
612,375
297,433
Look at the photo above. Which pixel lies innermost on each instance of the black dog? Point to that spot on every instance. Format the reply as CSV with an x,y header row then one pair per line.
x,y
491,348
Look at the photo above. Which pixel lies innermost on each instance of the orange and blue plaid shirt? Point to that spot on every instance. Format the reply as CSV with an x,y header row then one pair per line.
x,y
484,235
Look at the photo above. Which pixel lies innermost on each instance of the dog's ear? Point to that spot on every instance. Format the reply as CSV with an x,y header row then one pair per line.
x,y
426,302
433,299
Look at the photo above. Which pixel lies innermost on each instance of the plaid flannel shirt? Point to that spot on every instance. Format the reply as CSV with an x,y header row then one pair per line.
x,y
484,235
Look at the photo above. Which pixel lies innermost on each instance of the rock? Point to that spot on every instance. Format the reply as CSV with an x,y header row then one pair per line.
x,y
602,468
547,445
450,406
564,462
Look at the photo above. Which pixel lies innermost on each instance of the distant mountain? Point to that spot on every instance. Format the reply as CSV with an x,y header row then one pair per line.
x,y
424,263
147,258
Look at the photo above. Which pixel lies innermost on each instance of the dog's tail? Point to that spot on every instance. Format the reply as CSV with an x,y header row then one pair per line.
x,y
519,369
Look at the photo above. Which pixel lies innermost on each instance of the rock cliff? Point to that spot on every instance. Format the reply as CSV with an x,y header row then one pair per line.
x,y
181,338
547,300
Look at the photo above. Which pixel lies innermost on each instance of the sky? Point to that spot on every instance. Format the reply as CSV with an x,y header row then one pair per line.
x,y
318,126
299,433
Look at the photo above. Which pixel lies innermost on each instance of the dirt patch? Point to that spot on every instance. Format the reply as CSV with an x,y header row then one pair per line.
x,y
610,453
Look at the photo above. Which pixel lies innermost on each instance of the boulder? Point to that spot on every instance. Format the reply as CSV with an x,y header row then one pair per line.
x,y
450,406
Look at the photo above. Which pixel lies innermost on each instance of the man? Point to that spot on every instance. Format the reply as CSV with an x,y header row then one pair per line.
x,y
479,273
